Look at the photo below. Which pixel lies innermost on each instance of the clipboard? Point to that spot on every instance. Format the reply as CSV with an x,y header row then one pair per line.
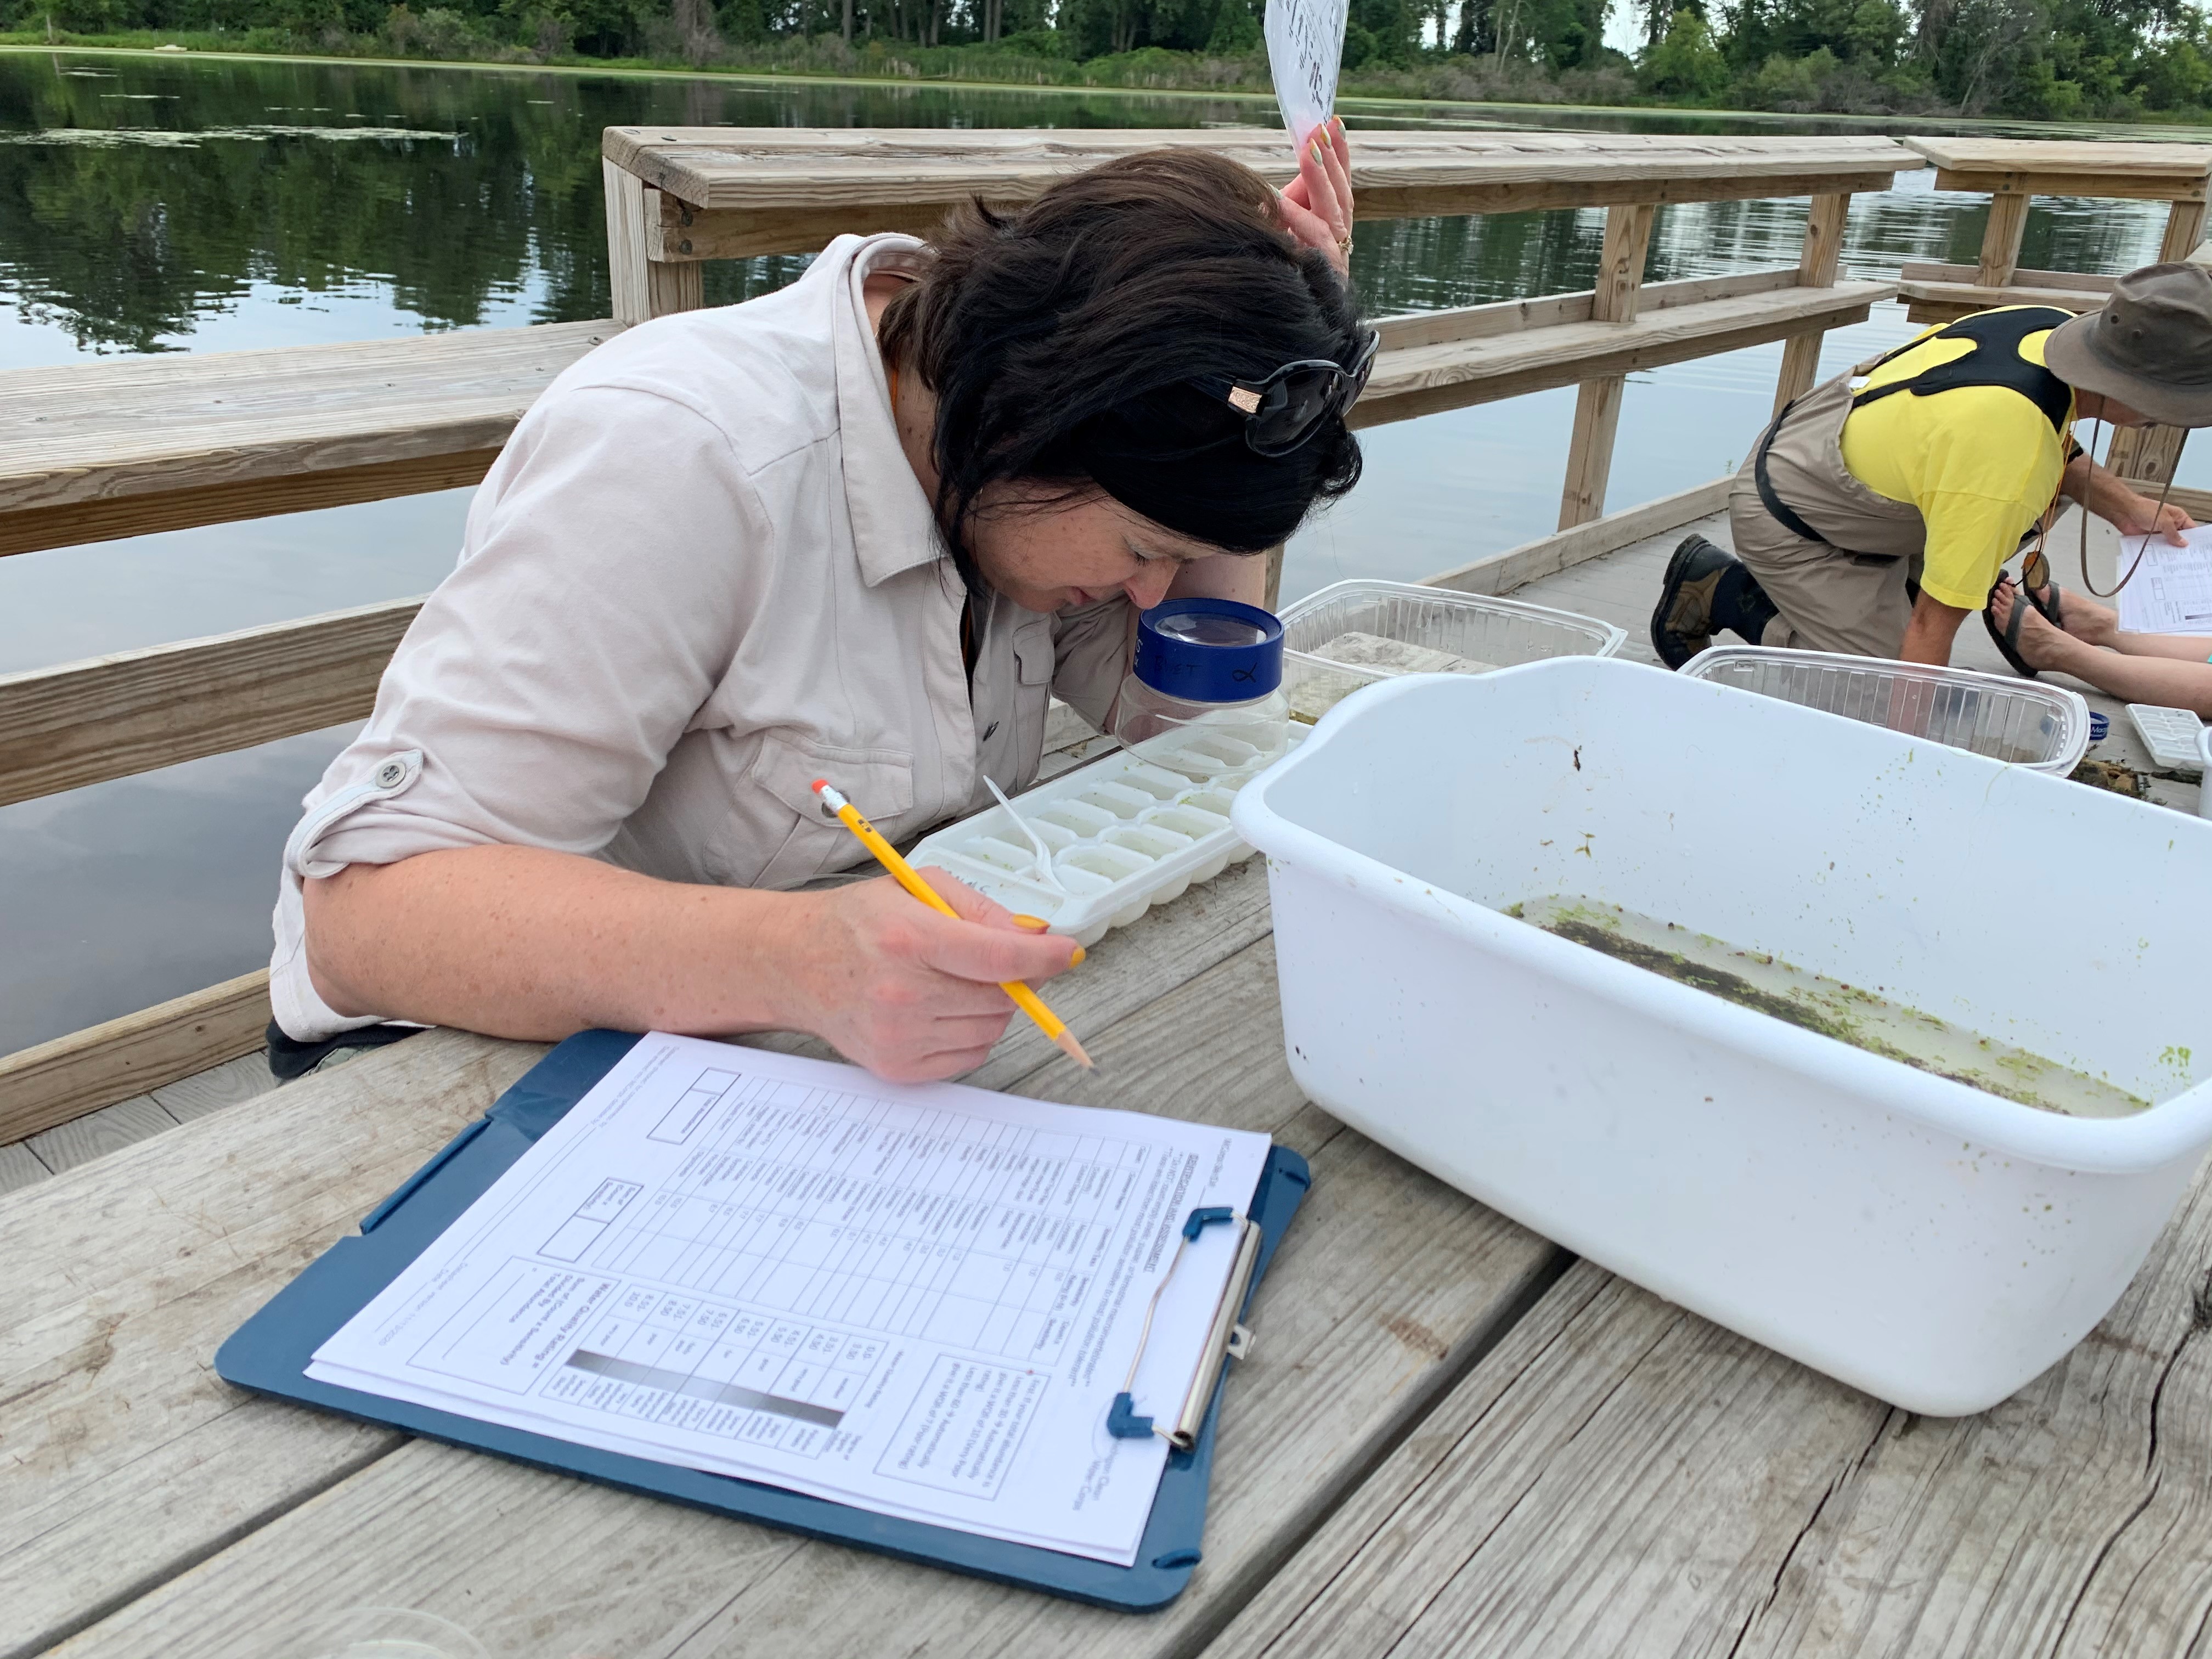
x,y
270,1354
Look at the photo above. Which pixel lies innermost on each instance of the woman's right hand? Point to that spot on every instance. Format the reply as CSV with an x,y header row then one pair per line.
x,y
911,994
1316,205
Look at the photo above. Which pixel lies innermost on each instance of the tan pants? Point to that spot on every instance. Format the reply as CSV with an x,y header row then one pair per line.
x,y
1846,591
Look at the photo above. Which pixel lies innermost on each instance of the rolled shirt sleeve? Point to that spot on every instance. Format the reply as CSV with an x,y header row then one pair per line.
x,y
538,693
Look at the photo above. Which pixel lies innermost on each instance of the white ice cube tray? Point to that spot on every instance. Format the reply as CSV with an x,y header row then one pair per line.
x,y
1126,835
2169,734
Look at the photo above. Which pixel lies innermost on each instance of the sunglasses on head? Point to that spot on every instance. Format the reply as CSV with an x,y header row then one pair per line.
x,y
1282,411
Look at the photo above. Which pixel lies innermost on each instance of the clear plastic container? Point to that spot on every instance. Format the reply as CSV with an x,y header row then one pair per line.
x,y
1356,633
2022,722
1204,696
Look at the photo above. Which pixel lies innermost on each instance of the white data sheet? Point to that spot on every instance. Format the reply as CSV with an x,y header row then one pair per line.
x,y
2172,592
920,1300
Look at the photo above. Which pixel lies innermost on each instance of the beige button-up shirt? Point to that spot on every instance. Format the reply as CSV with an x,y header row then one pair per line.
x,y
701,575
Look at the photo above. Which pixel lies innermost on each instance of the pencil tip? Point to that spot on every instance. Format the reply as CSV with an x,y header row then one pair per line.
x,y
1067,1045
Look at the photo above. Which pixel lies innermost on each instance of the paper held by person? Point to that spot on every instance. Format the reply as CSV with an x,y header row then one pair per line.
x,y
2170,592
1305,46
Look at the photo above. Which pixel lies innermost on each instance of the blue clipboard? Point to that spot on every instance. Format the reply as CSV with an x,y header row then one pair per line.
x,y
270,1354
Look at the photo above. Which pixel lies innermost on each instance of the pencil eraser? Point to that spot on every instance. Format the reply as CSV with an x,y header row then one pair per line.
x,y
819,785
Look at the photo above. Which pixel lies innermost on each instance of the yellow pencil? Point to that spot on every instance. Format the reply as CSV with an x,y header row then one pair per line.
x,y
903,873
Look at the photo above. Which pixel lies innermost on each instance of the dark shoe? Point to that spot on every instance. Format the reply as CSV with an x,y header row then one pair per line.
x,y
1682,625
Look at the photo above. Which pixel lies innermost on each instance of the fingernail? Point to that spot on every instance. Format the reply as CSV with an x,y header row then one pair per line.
x,y
1076,960
1035,924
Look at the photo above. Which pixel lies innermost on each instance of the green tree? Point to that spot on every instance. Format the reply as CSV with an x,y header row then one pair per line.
x,y
1686,63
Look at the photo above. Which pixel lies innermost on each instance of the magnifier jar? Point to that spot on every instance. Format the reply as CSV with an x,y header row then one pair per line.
x,y
1204,696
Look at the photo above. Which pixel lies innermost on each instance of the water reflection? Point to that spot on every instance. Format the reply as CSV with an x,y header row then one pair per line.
x,y
156,204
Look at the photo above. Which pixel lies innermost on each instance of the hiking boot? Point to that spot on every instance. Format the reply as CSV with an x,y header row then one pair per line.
x,y
1683,624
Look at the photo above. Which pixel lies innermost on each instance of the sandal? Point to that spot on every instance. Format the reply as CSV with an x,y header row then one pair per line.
x,y
2007,639
2047,606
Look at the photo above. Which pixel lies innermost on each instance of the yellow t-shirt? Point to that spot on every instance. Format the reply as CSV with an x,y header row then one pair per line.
x,y
1981,463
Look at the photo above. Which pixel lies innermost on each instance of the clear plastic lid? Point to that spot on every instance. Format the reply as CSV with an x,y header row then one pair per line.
x,y
2022,722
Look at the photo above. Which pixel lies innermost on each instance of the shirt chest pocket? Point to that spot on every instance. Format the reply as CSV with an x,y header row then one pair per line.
x,y
879,781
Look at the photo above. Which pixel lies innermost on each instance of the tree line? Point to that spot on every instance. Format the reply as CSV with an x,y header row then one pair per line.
x,y
2038,59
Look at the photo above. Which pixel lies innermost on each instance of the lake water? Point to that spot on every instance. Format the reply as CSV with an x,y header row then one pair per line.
x,y
164,204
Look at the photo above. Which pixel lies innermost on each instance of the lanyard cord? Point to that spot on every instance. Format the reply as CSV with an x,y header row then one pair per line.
x,y
2083,552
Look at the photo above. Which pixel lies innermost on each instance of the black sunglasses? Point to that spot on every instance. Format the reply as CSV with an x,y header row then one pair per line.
x,y
1286,409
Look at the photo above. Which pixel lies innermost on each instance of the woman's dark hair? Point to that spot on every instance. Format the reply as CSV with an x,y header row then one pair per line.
x,y
1061,340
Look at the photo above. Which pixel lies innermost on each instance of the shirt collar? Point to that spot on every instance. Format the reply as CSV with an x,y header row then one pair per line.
x,y
894,528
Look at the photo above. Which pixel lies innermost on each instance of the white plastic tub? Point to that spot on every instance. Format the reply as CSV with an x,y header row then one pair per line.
x,y
1928,1242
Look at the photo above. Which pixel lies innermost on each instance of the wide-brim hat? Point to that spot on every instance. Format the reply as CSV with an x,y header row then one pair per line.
x,y
2150,347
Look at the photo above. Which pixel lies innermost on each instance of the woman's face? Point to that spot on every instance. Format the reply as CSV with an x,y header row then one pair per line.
x,y
1045,552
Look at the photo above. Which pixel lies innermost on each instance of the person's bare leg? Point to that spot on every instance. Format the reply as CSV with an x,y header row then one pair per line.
x,y
2098,625
2158,678
2082,616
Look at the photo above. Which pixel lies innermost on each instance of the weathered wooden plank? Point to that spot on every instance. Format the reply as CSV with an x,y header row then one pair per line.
x,y
2197,503
56,1081
232,420
1750,1506
2000,238
1393,174
1501,573
1818,260
245,1198
1589,449
2097,186
1945,302
73,523
1610,1480
1927,270
126,1460
2185,231
680,232
1424,328
639,286
110,1129
1422,379
689,232
231,1084
1385,1290
19,1167
2074,1519
1597,403
85,722
2073,158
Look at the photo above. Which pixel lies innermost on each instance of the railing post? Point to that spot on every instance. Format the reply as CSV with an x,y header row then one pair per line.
x,y
1597,403
1818,262
642,287
2001,240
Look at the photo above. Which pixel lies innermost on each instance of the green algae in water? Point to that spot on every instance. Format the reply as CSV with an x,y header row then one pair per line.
x,y
1848,1013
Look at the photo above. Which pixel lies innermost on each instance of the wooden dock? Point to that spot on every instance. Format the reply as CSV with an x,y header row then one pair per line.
x,y
1453,1438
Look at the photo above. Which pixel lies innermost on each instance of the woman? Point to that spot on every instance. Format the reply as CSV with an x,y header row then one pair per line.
x,y
860,529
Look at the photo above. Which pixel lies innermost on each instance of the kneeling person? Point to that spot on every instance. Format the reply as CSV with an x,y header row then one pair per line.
x,y
1873,523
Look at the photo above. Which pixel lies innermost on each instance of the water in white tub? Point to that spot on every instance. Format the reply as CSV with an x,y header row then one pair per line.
x,y
1849,1013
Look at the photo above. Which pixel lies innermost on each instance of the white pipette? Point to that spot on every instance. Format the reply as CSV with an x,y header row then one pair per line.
x,y
1046,875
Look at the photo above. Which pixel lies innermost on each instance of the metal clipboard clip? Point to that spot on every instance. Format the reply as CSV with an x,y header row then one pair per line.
x,y
1225,1340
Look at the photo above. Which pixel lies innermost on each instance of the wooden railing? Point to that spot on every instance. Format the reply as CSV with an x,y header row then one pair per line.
x,y
116,449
